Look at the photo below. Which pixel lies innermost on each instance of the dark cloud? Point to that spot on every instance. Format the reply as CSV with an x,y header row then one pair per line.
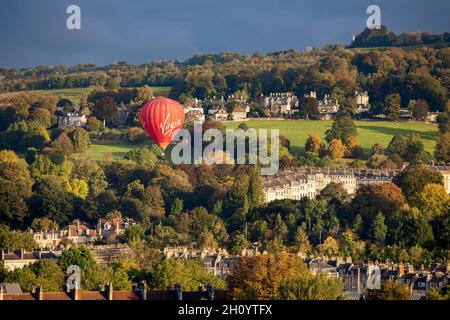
x,y
33,32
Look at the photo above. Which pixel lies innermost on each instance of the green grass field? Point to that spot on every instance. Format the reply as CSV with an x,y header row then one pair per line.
x,y
297,131
117,148
369,132
76,94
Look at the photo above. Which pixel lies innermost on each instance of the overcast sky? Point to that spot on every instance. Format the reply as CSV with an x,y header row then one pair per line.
x,y
34,32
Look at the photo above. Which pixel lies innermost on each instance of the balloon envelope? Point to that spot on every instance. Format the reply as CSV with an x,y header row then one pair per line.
x,y
162,118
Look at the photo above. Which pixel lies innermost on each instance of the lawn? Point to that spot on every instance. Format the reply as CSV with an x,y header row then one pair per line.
x,y
369,132
75,94
117,148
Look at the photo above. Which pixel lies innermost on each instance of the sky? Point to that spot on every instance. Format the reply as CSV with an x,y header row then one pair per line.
x,y
34,32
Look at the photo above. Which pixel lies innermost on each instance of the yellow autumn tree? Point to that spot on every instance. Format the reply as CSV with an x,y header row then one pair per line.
x,y
313,143
336,149
259,277
433,201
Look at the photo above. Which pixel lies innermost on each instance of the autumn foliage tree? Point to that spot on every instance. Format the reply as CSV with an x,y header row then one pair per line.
x,y
260,277
336,149
313,143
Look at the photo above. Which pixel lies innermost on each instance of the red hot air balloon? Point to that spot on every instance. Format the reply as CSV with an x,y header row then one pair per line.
x,y
162,118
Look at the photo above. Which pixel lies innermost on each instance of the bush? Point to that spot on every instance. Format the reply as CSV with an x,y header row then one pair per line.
x,y
136,134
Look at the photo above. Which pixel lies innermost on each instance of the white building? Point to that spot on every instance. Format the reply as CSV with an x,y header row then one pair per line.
x,y
299,184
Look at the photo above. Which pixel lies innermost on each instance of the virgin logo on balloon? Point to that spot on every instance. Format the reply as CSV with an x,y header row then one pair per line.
x,y
162,118
170,127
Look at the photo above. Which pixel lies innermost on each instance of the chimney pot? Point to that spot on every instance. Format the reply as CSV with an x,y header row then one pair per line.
x,y
109,291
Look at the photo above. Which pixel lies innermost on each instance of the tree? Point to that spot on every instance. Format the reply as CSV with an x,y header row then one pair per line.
x,y
302,240
93,125
177,207
409,228
309,108
442,152
329,247
64,144
136,134
141,156
390,290
80,256
188,273
348,108
11,240
81,140
414,178
420,110
260,277
15,187
309,287
342,128
336,149
79,188
371,199
153,203
42,117
49,275
378,229
52,200
397,146
433,201
43,224
313,143
377,149
391,107
334,191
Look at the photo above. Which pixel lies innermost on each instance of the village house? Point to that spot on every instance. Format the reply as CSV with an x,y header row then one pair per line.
x,y
362,101
78,233
21,258
72,120
122,115
195,114
328,107
47,239
218,114
239,114
280,103
111,230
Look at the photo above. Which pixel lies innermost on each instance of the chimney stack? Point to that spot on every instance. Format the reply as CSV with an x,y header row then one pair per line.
x,y
109,291
39,293
210,290
142,289
74,293
179,291
21,252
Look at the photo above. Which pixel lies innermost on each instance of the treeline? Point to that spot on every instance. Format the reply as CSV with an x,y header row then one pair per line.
x,y
384,38
417,74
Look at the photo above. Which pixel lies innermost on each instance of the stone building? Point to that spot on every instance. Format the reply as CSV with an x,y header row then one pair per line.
x,y
21,258
72,120
362,101
297,184
239,114
280,103
111,230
